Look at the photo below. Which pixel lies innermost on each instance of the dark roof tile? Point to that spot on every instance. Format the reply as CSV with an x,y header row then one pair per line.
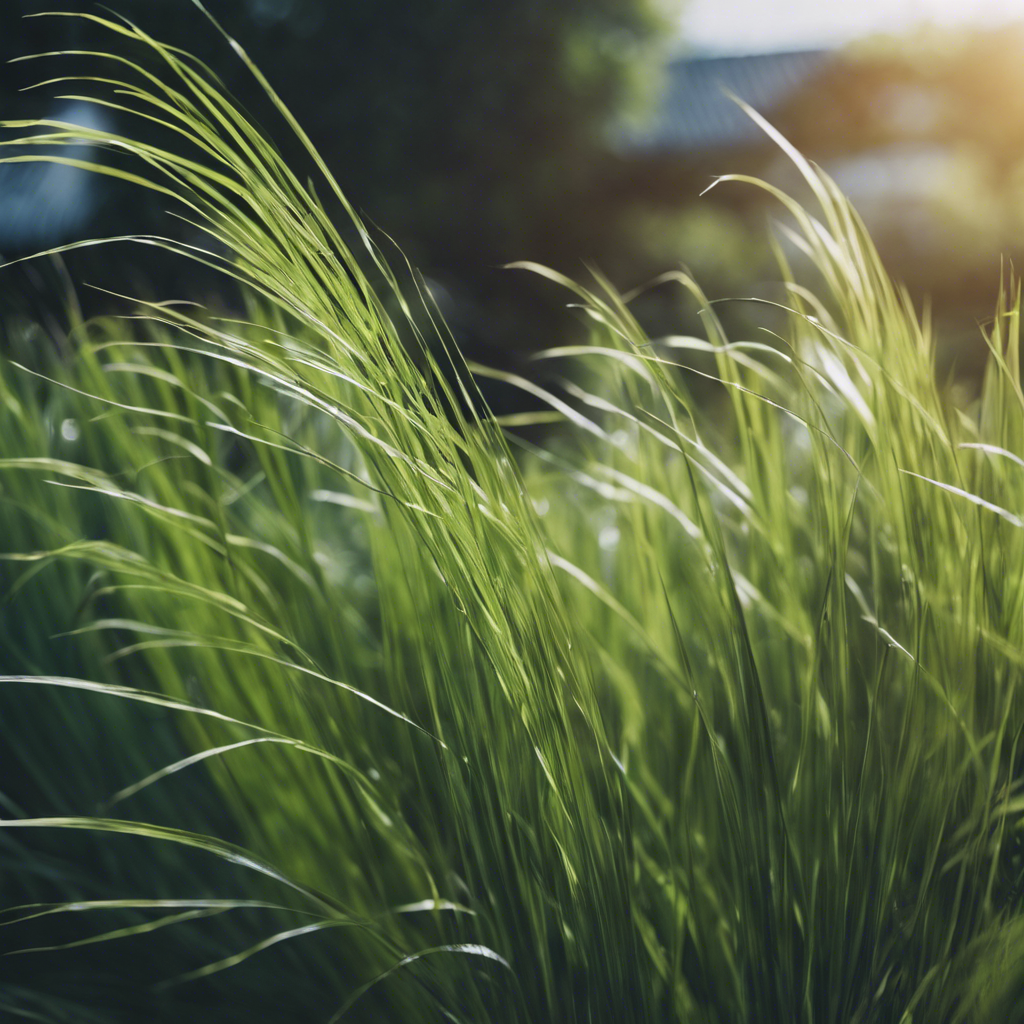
x,y
695,114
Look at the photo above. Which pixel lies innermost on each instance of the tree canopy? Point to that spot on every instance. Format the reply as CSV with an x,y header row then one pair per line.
x,y
475,132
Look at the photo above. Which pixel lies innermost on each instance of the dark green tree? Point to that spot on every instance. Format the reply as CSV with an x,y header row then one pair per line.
x,y
473,132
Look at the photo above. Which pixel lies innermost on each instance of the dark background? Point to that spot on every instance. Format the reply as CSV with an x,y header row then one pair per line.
x,y
472,133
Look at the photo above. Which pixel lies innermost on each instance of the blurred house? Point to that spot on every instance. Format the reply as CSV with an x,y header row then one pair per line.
x,y
925,135
870,131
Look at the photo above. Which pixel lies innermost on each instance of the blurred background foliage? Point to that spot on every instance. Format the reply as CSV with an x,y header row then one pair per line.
x,y
573,134
474,134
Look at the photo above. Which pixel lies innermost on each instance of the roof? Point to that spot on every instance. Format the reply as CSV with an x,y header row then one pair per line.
x,y
694,112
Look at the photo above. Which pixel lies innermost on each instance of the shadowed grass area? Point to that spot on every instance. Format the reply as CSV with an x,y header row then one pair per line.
x,y
697,712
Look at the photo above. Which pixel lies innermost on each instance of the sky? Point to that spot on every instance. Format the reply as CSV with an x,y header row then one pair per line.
x,y
745,26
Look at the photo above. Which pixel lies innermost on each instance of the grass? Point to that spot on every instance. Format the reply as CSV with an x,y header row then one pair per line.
x,y
696,711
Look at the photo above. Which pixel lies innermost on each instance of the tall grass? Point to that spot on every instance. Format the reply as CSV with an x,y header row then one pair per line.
x,y
700,711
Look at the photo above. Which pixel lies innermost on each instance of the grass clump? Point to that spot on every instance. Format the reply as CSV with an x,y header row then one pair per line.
x,y
697,712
